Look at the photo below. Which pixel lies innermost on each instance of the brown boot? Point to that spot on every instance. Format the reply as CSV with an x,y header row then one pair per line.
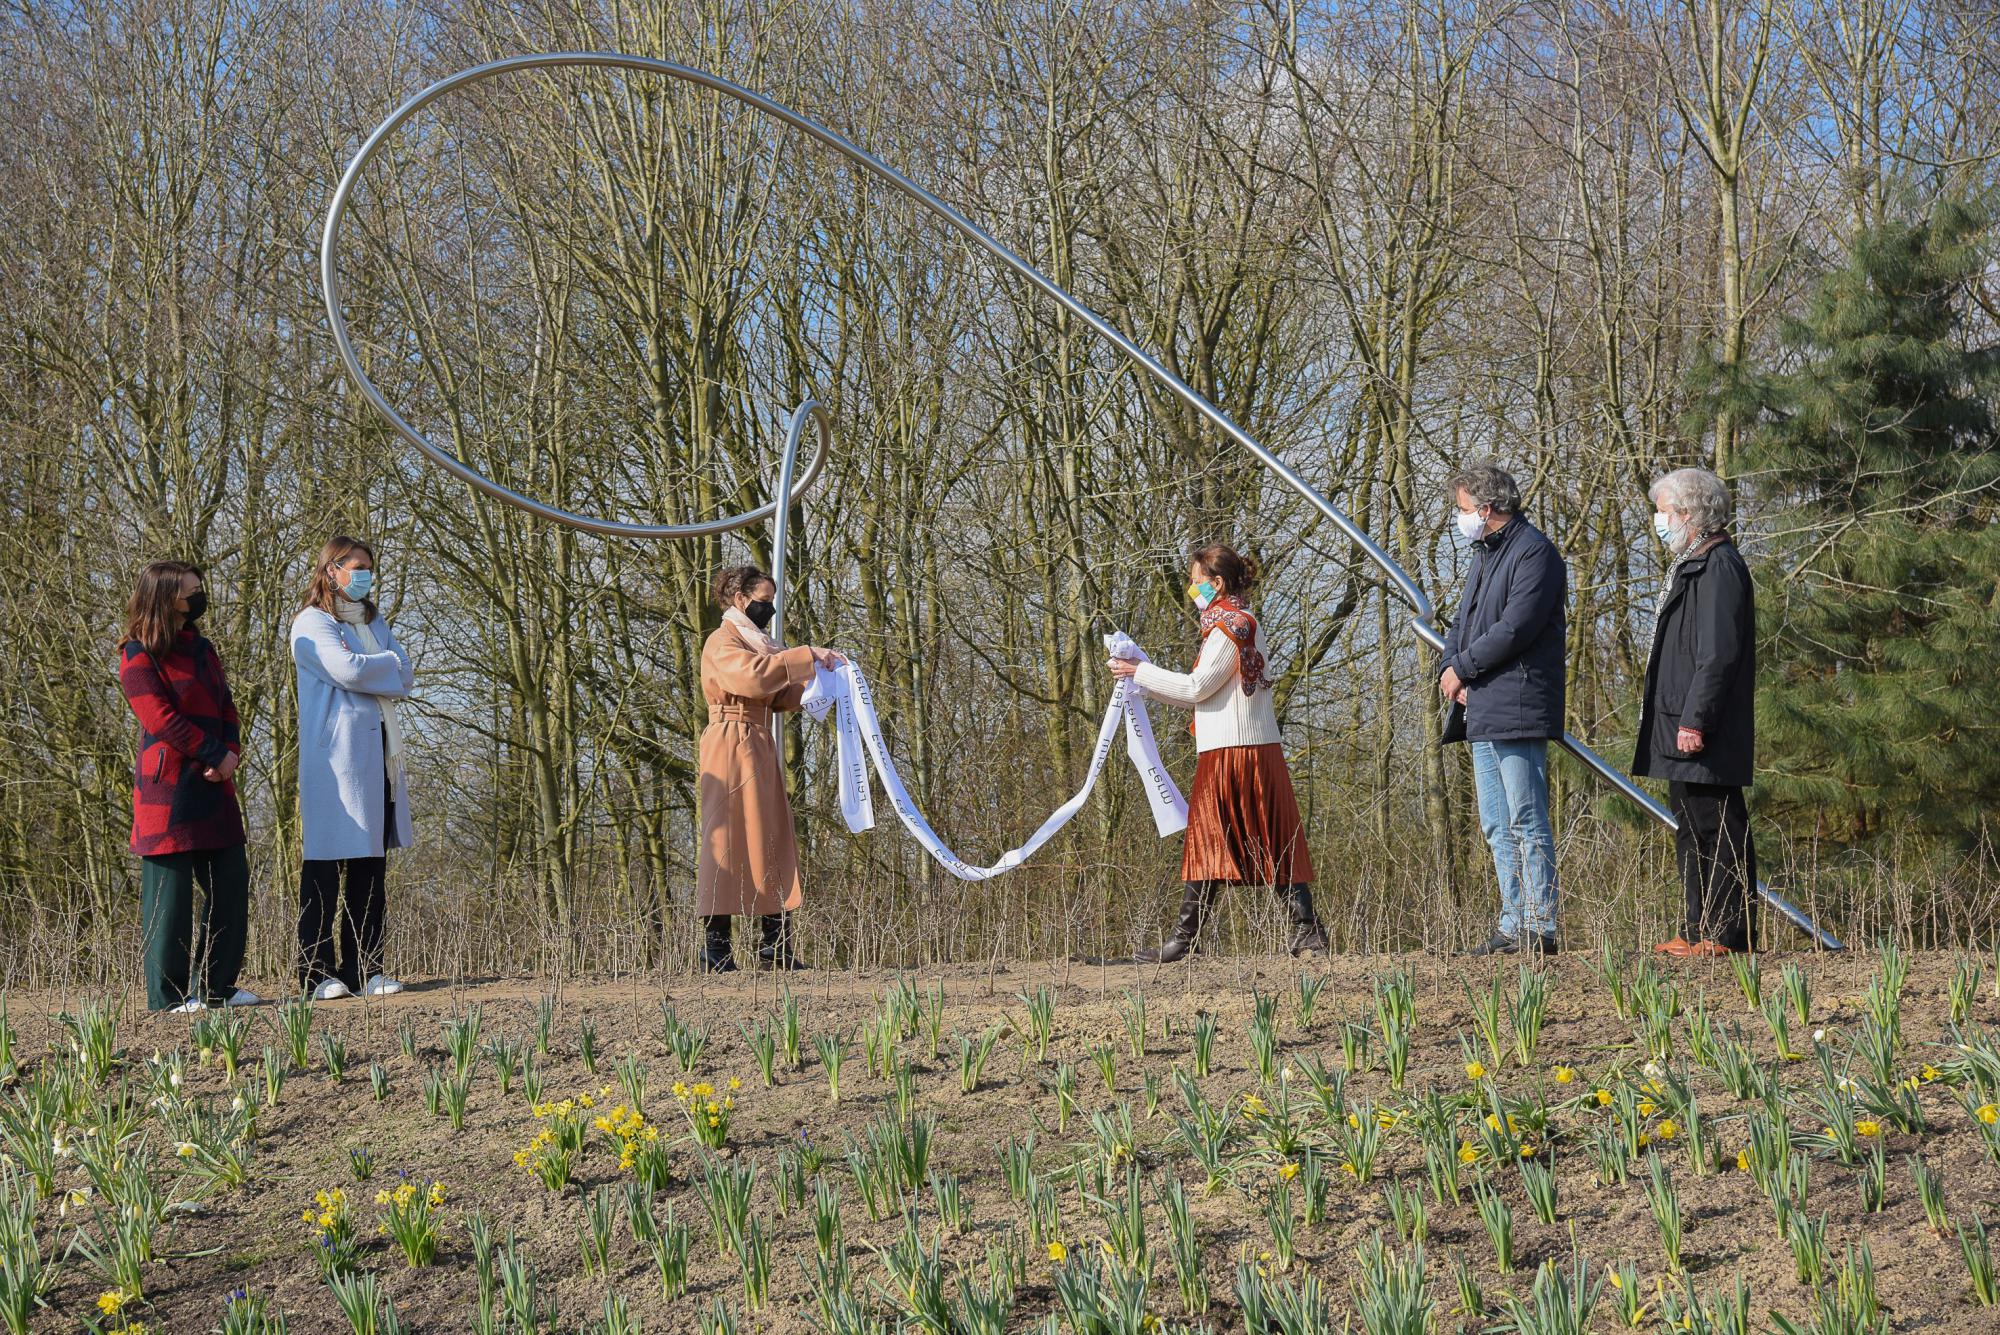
x,y
1307,934
1196,901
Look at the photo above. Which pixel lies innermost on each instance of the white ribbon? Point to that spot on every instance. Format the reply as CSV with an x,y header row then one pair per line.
x,y
858,737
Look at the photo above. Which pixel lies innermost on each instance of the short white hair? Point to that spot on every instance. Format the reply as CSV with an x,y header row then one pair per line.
x,y
1696,493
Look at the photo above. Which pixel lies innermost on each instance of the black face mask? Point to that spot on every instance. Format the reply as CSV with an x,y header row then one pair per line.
x,y
197,604
760,613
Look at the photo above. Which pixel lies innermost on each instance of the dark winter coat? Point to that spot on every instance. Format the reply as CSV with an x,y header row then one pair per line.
x,y
187,724
1508,641
1702,674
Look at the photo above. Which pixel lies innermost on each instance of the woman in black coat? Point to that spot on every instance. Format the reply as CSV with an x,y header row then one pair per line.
x,y
1697,724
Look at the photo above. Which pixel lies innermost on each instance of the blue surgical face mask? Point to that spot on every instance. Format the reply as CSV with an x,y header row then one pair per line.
x,y
359,584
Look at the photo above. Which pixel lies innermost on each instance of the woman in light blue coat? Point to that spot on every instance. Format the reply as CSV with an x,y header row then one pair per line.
x,y
353,799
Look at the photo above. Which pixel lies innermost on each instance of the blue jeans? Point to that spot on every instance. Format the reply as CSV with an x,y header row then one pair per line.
x,y
1513,783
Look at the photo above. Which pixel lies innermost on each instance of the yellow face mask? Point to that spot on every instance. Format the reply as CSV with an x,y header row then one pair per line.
x,y
1203,593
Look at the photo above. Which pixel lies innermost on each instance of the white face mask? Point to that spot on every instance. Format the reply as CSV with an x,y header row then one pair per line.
x,y
1470,525
1672,534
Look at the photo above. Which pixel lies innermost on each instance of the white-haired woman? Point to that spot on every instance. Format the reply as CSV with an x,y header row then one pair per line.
x,y
1697,722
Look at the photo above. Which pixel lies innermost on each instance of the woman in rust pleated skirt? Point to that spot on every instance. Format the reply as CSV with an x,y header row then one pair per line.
x,y
1243,820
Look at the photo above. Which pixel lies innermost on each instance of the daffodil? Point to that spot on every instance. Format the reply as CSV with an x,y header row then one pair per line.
x,y
1466,1154
1475,1071
1286,1171
1988,1114
109,1301
1604,1098
1867,1129
1668,1130
1564,1075
1742,1161
1058,1253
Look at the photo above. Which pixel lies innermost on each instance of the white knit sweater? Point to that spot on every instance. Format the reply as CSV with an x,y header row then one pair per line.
x,y
1223,714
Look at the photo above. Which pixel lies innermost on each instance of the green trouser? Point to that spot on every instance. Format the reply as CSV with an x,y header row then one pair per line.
x,y
166,913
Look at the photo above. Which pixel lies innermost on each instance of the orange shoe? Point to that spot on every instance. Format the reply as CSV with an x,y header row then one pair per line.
x,y
1676,947
1707,950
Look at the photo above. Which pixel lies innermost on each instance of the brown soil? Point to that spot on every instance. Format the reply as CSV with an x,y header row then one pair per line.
x,y
252,1237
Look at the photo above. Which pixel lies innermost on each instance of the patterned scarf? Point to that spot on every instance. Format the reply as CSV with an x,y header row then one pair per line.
x,y
1698,543
1228,614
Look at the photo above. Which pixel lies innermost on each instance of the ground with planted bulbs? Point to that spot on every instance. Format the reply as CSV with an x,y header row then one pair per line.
x,y
1601,1142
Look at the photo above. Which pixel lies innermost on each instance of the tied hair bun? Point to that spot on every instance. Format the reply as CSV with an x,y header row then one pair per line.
x,y
1239,573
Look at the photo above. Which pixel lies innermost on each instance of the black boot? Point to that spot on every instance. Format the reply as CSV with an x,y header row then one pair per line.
x,y
776,951
715,955
1307,935
1196,901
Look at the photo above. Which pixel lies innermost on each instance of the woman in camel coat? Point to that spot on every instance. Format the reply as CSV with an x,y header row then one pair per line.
x,y
749,853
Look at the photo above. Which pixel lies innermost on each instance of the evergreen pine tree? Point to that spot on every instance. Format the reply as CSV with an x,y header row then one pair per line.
x,y
1875,471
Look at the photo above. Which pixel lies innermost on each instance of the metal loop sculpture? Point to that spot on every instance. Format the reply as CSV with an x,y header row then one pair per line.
x,y
1423,613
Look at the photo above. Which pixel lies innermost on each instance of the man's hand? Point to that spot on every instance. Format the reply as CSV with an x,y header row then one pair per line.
x,y
1124,669
1689,740
1450,687
225,771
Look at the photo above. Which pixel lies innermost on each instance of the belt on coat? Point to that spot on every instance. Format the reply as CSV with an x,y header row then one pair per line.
x,y
739,714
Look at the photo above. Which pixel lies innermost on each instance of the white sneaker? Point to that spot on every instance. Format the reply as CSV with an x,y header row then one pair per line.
x,y
381,985
192,1006
243,996
331,990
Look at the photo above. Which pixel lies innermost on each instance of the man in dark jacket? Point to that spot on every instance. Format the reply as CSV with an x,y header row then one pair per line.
x,y
1503,673
1697,723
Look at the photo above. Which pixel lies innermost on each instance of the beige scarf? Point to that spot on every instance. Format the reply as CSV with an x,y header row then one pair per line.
x,y
356,615
747,628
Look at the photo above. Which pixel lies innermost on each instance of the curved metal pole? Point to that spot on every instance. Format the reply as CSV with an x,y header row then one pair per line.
x,y
329,271
811,410
1424,613
781,526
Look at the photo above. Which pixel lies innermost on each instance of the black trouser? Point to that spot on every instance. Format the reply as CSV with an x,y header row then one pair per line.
x,y
1718,862
180,962
360,943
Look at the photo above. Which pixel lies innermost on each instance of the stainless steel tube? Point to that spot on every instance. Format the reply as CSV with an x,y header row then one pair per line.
x,y
812,411
1424,613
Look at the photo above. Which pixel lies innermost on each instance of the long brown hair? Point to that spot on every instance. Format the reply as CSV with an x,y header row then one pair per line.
x,y
321,590
151,617
1238,573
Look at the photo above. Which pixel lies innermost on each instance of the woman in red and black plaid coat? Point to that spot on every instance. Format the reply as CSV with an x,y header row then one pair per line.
x,y
186,825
